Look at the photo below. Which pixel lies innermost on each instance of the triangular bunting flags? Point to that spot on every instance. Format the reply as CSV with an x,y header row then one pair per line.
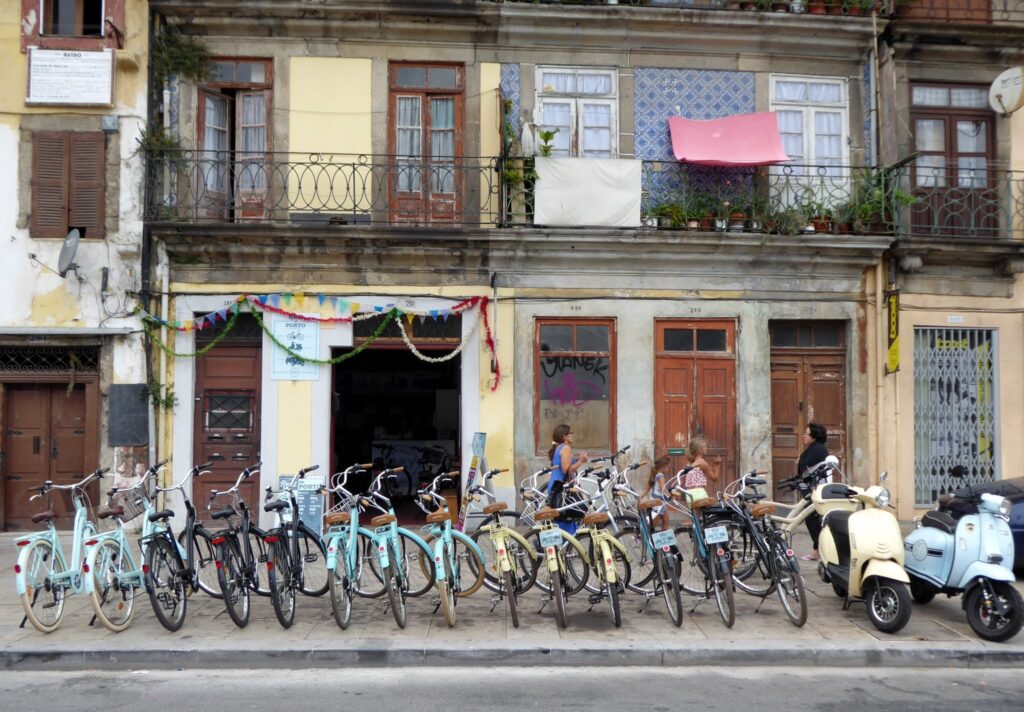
x,y
423,318
409,318
189,325
355,307
275,300
321,298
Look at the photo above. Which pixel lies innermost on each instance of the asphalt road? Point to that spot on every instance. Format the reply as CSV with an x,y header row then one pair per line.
x,y
499,689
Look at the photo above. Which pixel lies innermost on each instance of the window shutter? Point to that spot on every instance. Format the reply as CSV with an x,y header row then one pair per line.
x,y
49,184
86,182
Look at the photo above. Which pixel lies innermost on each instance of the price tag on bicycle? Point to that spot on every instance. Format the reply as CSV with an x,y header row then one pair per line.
x,y
663,539
383,530
716,535
551,537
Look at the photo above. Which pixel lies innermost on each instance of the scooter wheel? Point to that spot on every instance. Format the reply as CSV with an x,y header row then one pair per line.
x,y
888,604
999,620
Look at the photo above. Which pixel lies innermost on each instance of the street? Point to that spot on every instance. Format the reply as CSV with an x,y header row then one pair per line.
x,y
498,689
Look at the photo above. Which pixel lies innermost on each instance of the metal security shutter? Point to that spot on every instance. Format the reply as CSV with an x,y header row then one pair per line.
x,y
85,178
955,410
49,184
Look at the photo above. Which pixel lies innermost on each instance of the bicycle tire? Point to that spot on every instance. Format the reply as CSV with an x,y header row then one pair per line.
x,y
613,603
43,603
693,574
259,574
571,560
510,597
642,576
524,567
369,581
396,599
789,584
418,570
112,601
746,559
314,564
340,590
166,586
447,588
204,561
233,587
558,593
669,582
722,583
282,589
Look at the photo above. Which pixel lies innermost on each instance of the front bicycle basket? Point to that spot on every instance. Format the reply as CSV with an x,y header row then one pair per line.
x,y
132,500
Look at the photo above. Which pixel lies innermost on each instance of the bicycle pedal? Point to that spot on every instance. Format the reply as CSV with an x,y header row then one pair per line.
x,y
594,598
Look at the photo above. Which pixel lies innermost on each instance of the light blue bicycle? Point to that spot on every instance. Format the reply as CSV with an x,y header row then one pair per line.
x,y
453,580
42,577
342,537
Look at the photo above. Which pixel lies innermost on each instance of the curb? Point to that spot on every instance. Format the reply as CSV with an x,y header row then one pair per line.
x,y
374,654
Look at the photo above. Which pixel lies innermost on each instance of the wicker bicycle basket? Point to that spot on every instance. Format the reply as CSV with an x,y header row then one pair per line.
x,y
132,500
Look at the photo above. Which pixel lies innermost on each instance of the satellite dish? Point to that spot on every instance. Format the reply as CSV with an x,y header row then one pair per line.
x,y
1006,94
66,261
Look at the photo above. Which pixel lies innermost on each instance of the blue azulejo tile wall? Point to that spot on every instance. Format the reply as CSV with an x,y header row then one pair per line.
x,y
698,94
510,90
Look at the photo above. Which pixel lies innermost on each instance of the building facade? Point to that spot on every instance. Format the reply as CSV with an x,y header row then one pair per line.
x,y
72,364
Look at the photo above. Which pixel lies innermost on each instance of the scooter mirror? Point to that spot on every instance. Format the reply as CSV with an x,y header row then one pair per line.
x,y
832,461
883,477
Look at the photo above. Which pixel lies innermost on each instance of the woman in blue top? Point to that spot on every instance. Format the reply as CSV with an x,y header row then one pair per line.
x,y
563,464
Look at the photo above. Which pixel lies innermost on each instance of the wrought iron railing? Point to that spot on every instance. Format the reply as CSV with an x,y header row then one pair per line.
x,y
331,189
817,7
327,189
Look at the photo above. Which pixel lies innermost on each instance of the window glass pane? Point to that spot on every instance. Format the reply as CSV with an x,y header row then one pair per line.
x,y
223,72
442,78
790,91
558,83
930,96
711,340
930,135
827,335
597,132
556,337
972,172
254,116
92,18
783,335
591,338
432,329
971,136
931,172
804,336
408,136
679,339
576,390
821,93
969,98
411,76
442,145
828,136
251,72
558,115
791,128
594,84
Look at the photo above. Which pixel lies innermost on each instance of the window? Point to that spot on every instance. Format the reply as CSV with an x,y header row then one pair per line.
x,y
426,140
575,381
807,334
812,117
955,410
426,331
582,104
680,339
235,106
72,18
68,183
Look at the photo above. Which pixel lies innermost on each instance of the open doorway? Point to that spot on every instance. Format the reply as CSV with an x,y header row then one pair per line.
x,y
393,409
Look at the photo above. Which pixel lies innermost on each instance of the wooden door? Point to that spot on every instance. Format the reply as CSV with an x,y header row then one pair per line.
x,y
695,390
227,420
44,439
806,387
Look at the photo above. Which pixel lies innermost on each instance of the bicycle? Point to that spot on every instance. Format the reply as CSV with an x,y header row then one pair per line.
x,y
773,556
555,542
175,569
658,546
344,558
238,551
450,581
42,578
294,551
396,547
710,568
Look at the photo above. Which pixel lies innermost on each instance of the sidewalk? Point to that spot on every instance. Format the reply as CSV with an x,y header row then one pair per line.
x,y
937,635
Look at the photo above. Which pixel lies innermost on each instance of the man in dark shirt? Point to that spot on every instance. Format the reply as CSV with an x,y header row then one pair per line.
x,y
813,455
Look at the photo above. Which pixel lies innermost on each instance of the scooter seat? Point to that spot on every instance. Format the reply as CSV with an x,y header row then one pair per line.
x,y
939,520
834,490
838,520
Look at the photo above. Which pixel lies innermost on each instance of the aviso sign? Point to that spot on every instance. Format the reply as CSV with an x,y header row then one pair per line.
x,y
70,77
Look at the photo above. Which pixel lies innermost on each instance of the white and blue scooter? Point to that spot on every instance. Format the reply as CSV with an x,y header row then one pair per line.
x,y
971,556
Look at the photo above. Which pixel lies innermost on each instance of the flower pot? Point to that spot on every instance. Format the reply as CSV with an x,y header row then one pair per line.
x,y
693,224
821,224
782,6
754,225
816,7
737,222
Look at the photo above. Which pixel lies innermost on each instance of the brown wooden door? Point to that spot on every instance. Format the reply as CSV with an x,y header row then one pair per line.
x,y
44,439
806,387
227,420
695,390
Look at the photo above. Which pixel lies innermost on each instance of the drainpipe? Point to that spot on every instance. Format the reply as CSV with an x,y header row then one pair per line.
x,y
494,322
164,288
876,94
880,341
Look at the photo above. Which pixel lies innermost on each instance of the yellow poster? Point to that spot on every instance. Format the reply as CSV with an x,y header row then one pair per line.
x,y
892,361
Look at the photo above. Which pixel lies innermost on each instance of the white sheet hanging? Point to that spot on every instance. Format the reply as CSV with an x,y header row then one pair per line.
x,y
587,192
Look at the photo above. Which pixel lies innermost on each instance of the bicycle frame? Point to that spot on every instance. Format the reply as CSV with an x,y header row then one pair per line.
x,y
242,530
386,538
445,535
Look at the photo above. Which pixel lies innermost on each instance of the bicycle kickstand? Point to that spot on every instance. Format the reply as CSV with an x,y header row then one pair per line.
x,y
437,605
495,600
648,596
544,600
764,597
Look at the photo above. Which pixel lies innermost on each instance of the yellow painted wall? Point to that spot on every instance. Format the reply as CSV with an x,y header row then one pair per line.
x,y
496,408
490,136
294,425
897,453
329,112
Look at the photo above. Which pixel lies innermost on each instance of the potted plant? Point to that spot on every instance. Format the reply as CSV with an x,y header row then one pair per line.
x,y
872,210
670,215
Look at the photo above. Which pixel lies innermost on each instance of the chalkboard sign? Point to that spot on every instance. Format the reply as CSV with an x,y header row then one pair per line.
x,y
309,499
127,406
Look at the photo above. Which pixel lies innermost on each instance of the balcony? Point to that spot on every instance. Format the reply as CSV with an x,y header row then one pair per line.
x,y
812,7
963,12
937,201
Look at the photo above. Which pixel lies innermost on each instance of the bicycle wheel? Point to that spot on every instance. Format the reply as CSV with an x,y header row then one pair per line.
x,y
642,576
259,575
447,589
510,596
722,583
396,594
314,564
665,565
340,588
233,587
42,601
165,583
750,572
418,571
204,561
282,588
575,564
789,584
613,602
369,581
693,576
558,593
524,568
113,599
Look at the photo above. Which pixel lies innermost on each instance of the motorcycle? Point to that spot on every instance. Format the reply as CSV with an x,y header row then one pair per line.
x,y
972,556
861,549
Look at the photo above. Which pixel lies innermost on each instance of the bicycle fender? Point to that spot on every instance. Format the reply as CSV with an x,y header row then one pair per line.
x,y
439,559
332,552
609,564
20,584
622,549
523,542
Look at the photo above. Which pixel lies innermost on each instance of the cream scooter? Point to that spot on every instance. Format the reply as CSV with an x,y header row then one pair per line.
x,y
861,549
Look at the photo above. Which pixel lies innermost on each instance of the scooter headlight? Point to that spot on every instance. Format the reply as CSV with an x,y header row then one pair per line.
x,y
1005,506
882,498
